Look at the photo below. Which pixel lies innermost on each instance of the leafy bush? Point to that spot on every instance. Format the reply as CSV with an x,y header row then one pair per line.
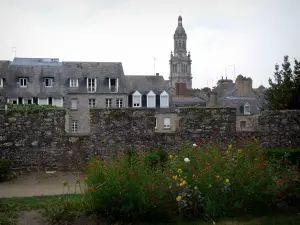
x,y
157,158
291,155
231,180
4,169
127,189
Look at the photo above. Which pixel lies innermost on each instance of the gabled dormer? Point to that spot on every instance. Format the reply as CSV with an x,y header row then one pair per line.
x,y
113,85
136,99
151,100
164,100
247,110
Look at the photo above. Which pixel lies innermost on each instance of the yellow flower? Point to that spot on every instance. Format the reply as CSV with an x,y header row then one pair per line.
x,y
230,146
196,188
179,170
227,180
178,198
209,185
170,187
182,183
217,177
171,156
240,151
174,177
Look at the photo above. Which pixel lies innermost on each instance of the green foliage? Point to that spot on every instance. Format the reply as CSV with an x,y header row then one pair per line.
x,y
127,190
236,180
285,90
27,109
4,169
157,158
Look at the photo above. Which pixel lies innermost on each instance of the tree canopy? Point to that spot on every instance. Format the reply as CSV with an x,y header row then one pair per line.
x,y
284,91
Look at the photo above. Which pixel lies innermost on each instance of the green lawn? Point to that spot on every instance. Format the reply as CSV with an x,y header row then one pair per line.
x,y
57,207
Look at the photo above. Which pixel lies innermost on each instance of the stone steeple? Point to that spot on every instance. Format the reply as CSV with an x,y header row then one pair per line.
x,y
180,61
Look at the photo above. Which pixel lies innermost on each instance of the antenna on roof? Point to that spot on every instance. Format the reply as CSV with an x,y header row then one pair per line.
x,y
154,64
14,49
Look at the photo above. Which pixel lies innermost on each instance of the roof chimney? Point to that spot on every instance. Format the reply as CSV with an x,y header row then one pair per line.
x,y
157,74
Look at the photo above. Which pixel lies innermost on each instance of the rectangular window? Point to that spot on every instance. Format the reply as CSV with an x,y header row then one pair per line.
x,y
151,101
92,103
108,102
74,104
48,82
113,86
120,103
23,82
167,123
164,101
136,101
74,126
91,85
243,124
50,101
73,82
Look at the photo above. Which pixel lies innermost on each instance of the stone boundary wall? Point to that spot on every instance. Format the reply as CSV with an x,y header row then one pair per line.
x,y
39,141
279,129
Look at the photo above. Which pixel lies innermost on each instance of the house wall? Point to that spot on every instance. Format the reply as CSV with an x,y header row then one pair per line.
x,y
251,123
82,115
160,122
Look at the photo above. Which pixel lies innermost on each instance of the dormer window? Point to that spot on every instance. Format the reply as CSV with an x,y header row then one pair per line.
x,y
73,82
151,97
91,84
23,82
164,100
113,84
247,110
136,99
48,82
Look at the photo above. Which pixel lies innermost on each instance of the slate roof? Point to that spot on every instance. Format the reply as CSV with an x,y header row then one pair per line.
x,y
188,101
237,102
37,69
145,83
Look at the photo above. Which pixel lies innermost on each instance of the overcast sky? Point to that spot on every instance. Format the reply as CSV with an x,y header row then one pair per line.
x,y
253,35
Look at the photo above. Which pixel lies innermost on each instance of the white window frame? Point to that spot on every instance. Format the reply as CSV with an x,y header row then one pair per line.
x,y
247,110
92,103
92,85
136,100
74,126
108,102
21,80
49,80
73,82
74,100
117,85
119,102
11,100
151,96
164,95
26,103
167,123
38,100
1,82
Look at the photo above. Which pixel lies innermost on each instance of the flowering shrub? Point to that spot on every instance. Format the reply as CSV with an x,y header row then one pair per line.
x,y
199,181
127,190
233,179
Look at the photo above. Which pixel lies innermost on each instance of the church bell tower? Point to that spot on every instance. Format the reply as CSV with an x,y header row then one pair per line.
x,y
180,60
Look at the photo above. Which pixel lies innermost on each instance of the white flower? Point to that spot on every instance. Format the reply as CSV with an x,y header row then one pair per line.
x,y
187,160
194,145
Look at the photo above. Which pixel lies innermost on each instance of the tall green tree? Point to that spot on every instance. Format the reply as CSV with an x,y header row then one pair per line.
x,y
284,91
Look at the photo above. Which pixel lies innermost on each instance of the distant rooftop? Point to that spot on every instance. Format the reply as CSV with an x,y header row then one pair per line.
x,y
36,61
